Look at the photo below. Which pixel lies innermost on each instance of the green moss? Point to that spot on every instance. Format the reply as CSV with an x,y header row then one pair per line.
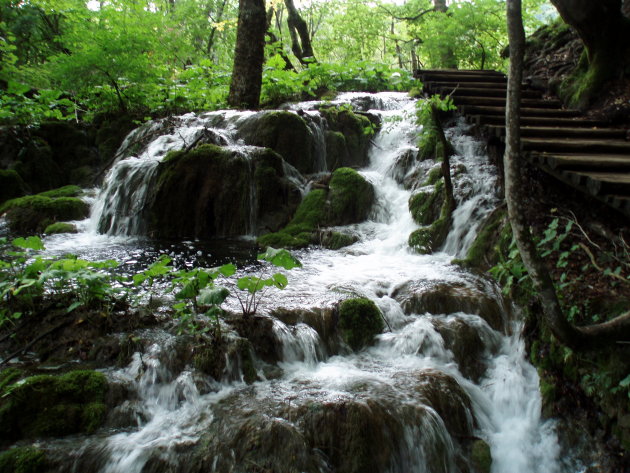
x,y
33,213
483,253
351,197
359,322
66,191
46,405
210,359
357,130
435,174
481,457
247,361
8,376
337,240
425,206
11,185
300,231
22,460
60,227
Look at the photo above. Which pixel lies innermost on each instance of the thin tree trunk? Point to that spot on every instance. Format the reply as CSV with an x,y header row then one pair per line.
x,y
300,37
249,55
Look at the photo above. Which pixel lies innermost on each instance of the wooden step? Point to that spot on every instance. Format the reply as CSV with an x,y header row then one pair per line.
x,y
419,72
489,92
560,132
535,121
599,183
581,161
454,84
453,77
525,111
620,202
551,145
500,102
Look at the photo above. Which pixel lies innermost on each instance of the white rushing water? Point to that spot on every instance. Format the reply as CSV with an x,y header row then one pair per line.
x,y
505,401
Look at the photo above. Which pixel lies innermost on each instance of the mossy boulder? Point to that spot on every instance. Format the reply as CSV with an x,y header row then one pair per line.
x,y
348,199
481,457
426,204
23,460
213,191
351,197
52,406
60,227
286,133
11,185
65,191
359,322
485,250
336,240
33,213
349,141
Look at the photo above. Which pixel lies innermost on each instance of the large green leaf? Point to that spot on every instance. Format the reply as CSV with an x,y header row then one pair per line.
x,y
30,243
280,280
213,296
281,258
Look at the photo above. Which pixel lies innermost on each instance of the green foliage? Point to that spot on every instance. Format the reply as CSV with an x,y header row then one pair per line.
x,y
25,279
255,286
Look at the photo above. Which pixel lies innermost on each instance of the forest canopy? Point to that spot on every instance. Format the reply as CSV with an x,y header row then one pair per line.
x,y
74,59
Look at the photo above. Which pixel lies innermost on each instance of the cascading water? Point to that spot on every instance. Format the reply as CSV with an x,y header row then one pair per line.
x,y
415,398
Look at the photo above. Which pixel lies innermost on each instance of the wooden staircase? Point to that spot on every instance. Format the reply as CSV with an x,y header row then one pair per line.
x,y
581,152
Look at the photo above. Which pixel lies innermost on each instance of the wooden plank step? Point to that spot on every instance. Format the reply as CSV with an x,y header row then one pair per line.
x,y
481,119
581,161
458,71
500,102
621,202
454,83
551,145
598,183
561,132
525,111
452,77
488,92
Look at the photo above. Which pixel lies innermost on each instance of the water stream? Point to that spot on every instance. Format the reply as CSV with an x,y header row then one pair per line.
x,y
417,398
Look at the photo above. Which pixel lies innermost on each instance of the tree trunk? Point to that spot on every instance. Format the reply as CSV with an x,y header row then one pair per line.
x,y
300,38
576,337
249,55
605,32
447,55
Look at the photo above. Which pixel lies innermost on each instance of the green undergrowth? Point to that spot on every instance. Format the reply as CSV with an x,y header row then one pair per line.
x,y
23,460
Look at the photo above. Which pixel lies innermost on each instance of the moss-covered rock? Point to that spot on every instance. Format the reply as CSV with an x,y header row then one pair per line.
x,y
426,204
359,322
65,191
355,129
11,185
481,457
213,191
45,405
60,227
336,240
348,199
484,252
286,133
351,197
23,460
33,213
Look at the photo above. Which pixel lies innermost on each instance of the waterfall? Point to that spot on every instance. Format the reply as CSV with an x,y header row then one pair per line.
x,y
450,365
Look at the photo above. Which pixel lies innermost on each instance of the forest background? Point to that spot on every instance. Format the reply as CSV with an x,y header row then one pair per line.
x,y
74,60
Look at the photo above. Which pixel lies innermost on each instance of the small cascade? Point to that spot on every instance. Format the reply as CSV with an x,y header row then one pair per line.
x,y
476,185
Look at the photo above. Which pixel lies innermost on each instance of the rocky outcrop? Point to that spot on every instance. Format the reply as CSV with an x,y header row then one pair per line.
x,y
347,199
212,191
